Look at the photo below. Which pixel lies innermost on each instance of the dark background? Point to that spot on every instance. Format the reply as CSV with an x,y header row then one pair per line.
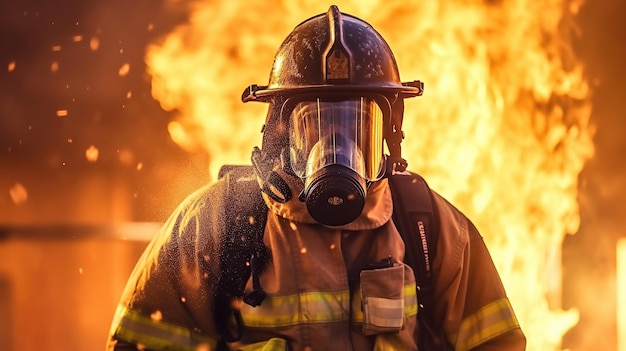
x,y
141,175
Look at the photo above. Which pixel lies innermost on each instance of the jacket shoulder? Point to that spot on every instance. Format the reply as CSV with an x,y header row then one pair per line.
x,y
454,222
202,199
196,223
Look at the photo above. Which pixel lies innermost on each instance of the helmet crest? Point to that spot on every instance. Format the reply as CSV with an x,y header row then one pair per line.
x,y
337,57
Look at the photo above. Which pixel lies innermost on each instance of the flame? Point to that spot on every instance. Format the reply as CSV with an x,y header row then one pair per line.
x,y
502,130
621,294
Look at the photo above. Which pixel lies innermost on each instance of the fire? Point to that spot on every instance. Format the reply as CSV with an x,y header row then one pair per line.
x,y
502,129
621,295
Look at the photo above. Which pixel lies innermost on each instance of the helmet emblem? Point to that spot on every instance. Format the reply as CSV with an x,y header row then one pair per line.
x,y
337,66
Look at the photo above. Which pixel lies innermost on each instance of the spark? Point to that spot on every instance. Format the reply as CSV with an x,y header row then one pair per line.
x,y
18,194
92,154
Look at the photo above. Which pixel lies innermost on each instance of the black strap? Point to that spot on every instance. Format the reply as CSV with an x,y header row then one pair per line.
x,y
416,217
242,250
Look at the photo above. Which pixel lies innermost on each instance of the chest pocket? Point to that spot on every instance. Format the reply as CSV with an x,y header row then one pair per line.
x,y
384,300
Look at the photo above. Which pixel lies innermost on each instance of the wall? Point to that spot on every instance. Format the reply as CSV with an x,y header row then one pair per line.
x,y
59,286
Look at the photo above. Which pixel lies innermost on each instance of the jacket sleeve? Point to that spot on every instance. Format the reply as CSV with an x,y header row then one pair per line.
x,y
473,305
167,300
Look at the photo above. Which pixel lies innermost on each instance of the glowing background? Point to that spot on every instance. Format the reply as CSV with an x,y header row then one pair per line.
x,y
82,141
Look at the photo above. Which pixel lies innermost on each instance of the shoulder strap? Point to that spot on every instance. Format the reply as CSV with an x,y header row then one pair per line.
x,y
416,217
242,250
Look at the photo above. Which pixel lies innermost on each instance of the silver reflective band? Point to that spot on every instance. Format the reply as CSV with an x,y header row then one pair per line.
x,y
381,312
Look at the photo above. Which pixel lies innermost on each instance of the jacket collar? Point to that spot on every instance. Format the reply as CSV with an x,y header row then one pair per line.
x,y
377,211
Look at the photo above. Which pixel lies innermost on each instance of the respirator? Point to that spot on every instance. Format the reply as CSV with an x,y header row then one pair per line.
x,y
336,147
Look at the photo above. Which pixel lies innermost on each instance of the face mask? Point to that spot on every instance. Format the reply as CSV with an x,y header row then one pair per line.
x,y
334,192
336,148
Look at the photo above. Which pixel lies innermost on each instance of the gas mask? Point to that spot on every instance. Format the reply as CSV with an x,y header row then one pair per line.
x,y
336,147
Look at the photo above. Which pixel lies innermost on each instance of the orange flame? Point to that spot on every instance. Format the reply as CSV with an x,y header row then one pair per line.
x,y
502,129
621,295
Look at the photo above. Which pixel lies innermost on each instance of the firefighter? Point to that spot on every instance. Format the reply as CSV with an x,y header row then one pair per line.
x,y
334,276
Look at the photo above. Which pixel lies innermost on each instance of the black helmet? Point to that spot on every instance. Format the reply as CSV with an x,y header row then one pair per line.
x,y
332,54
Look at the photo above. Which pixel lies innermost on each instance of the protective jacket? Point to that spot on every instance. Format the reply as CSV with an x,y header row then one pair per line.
x,y
328,288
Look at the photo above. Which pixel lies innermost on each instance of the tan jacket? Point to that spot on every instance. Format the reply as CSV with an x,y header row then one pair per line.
x,y
320,293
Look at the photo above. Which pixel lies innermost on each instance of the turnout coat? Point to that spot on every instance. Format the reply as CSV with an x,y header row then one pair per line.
x,y
325,290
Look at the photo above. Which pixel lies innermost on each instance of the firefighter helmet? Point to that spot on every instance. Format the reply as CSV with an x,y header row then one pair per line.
x,y
330,55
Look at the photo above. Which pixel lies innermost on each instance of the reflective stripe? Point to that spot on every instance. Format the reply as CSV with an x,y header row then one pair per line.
x,y
151,334
310,307
489,322
273,344
388,342
410,300
385,313
314,307
410,304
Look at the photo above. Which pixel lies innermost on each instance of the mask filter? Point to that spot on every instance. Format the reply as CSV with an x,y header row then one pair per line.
x,y
334,195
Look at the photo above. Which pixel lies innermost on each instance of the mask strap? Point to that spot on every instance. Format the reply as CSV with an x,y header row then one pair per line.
x,y
272,184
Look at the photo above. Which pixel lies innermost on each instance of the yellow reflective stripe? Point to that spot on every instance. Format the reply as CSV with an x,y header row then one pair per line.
x,y
151,334
410,300
410,304
309,307
388,342
489,322
273,344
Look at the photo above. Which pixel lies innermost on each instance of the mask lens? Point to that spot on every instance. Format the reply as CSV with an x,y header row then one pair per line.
x,y
346,132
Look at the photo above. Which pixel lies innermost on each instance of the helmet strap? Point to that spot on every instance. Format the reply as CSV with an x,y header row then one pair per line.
x,y
394,136
394,165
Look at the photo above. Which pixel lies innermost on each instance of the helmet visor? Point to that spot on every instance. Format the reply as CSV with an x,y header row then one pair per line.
x,y
329,131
